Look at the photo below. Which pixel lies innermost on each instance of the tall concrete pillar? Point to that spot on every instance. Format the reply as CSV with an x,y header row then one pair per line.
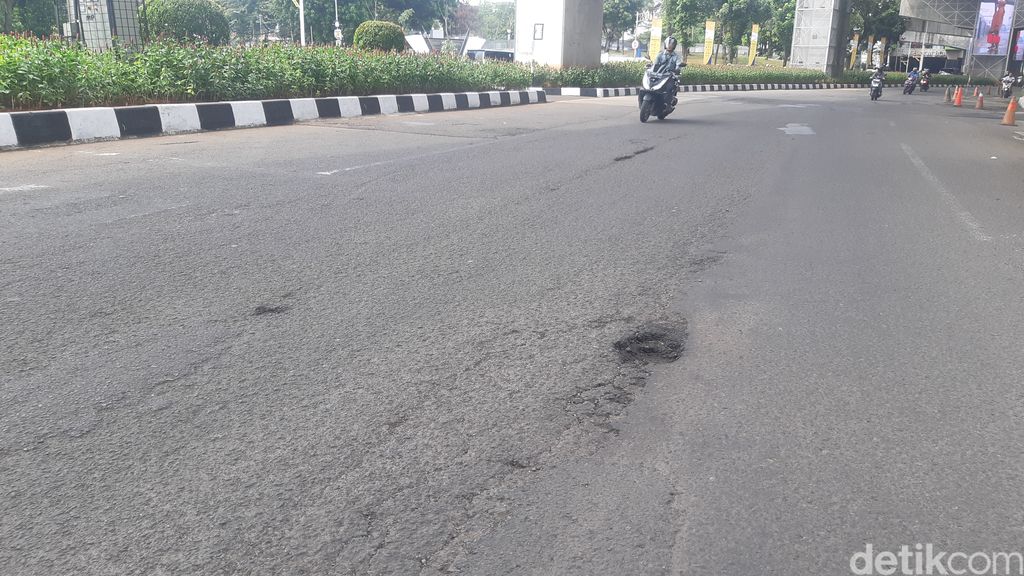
x,y
559,32
819,35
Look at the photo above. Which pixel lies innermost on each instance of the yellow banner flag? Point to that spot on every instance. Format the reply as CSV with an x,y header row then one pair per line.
x,y
853,53
871,49
753,44
655,47
709,41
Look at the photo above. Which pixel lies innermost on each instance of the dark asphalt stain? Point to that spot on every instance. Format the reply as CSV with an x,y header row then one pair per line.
x,y
653,342
634,154
267,309
705,261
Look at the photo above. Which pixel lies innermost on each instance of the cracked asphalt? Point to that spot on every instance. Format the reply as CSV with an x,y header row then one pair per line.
x,y
388,345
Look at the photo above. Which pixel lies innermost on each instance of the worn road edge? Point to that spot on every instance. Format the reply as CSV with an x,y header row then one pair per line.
x,y
28,129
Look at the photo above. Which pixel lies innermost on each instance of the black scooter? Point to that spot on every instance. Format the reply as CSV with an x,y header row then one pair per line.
x,y
658,95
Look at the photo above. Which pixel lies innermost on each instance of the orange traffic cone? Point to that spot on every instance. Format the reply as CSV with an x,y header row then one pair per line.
x,y
1010,118
981,102
976,92
958,98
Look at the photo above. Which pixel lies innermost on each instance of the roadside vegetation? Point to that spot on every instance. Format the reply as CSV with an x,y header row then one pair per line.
x,y
37,74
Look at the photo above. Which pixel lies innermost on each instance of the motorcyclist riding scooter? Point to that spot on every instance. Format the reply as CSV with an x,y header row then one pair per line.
x,y
1007,84
660,86
877,80
911,83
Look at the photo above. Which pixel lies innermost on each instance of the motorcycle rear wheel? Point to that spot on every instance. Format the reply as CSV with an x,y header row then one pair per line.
x,y
645,110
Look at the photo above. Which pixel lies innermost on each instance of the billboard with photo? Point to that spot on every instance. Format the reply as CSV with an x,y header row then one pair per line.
x,y
995,26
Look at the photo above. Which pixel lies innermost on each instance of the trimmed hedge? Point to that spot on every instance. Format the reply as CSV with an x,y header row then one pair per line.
x,y
610,75
378,35
39,74
187,20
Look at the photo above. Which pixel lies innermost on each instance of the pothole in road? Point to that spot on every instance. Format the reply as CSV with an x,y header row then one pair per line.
x,y
654,342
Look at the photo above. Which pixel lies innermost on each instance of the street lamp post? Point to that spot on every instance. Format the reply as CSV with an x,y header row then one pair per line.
x,y
302,22
337,26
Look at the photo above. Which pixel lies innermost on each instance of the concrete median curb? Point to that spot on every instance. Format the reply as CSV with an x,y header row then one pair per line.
x,y
613,92
28,129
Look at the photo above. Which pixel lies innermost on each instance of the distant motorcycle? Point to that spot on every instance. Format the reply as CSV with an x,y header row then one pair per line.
x,y
925,83
658,94
876,89
909,85
1007,86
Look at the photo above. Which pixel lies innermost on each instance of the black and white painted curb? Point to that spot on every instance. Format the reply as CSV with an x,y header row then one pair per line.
x,y
612,92
24,129
592,92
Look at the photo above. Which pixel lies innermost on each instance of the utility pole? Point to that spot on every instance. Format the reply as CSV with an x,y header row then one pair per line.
x,y
302,22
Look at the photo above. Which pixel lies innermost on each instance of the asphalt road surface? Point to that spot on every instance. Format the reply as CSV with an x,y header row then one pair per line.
x,y
387,345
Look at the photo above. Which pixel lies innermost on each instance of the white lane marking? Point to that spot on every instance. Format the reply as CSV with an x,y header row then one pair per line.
x,y
799,105
144,214
891,123
99,153
419,123
24,188
965,217
407,158
797,130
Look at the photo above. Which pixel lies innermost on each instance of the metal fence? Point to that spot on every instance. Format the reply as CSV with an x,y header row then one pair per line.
x,y
102,24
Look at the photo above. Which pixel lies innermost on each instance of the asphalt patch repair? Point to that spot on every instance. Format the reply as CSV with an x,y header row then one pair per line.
x,y
658,342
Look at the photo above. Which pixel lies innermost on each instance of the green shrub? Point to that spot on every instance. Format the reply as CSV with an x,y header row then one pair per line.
x,y
39,74
378,35
187,20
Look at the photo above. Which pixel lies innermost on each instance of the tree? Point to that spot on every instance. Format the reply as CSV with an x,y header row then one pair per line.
x,y
683,16
36,17
496,19
619,17
876,18
6,16
377,35
320,15
778,30
465,19
187,19
734,21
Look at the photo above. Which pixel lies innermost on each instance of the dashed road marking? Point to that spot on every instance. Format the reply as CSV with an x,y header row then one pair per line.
x,y
24,188
798,130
